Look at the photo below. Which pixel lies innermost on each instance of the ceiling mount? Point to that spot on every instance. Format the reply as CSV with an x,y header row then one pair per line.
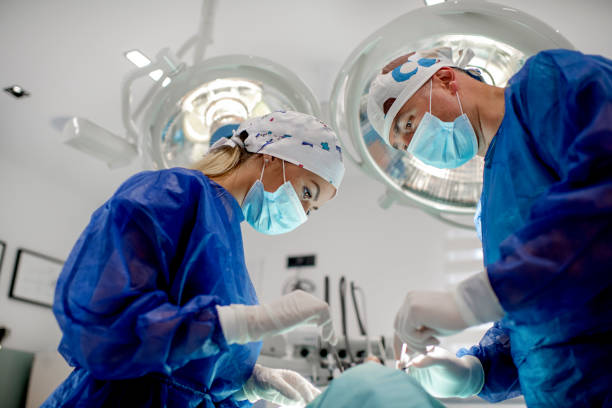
x,y
188,107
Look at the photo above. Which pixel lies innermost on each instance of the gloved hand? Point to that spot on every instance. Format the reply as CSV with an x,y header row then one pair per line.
x,y
445,375
426,314
243,324
283,387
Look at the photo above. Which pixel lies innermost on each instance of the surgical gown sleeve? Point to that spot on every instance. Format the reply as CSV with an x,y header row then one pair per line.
x,y
112,299
560,259
553,277
501,375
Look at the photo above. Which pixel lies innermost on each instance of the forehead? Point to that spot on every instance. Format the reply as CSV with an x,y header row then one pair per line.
x,y
412,106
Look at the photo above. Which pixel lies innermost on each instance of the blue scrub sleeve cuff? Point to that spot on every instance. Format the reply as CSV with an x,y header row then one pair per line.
x,y
500,374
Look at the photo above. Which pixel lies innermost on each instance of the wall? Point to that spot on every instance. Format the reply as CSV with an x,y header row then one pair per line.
x,y
45,216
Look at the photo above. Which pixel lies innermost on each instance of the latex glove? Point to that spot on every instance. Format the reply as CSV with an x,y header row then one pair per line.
x,y
445,375
404,356
426,314
243,324
283,387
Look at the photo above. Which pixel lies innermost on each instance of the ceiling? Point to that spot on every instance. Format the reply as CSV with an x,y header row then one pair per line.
x,y
69,55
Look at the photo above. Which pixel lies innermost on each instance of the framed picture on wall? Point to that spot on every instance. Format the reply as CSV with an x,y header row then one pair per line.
x,y
2,248
34,277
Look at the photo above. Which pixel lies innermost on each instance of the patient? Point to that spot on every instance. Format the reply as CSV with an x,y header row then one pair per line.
x,y
372,385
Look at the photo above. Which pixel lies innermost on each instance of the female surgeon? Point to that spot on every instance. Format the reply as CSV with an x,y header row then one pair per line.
x,y
546,217
155,303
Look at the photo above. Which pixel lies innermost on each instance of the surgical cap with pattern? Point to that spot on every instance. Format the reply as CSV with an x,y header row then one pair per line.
x,y
295,137
402,83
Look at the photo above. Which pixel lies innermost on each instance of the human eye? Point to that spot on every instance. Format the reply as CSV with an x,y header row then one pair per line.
x,y
306,195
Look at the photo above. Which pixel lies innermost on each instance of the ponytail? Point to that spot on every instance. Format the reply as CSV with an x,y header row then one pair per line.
x,y
222,160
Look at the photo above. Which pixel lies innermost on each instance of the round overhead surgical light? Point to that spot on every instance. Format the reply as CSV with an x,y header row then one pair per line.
x,y
206,101
502,38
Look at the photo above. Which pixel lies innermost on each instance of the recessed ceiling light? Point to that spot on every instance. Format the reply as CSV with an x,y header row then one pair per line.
x,y
432,2
155,75
17,91
137,58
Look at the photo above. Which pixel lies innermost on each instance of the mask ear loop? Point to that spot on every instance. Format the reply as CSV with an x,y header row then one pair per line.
x,y
262,171
430,91
459,100
284,179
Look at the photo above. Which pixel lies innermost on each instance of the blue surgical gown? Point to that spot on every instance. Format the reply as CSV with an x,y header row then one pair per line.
x,y
136,298
547,235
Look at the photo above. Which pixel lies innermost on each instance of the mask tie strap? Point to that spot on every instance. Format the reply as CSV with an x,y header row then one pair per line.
x,y
459,100
430,90
284,179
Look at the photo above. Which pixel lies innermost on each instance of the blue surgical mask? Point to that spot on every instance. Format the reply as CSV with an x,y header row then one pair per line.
x,y
445,145
273,213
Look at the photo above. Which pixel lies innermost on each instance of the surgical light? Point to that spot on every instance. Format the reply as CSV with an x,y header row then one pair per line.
x,y
178,119
502,38
182,118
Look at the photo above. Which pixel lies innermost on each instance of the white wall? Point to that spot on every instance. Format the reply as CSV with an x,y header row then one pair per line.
x,y
45,216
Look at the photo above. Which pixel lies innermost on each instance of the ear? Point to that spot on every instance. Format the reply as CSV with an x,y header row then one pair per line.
x,y
447,78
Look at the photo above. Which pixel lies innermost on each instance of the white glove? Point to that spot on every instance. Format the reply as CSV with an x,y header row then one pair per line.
x,y
243,324
425,314
445,375
283,387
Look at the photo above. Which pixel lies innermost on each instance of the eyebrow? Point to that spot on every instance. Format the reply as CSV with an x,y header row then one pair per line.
x,y
318,190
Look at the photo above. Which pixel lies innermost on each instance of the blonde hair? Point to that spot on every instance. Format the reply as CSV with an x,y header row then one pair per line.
x,y
222,160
